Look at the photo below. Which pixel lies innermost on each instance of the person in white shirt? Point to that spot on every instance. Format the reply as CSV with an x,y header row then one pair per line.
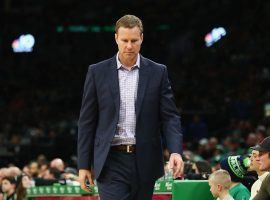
x,y
220,183
255,166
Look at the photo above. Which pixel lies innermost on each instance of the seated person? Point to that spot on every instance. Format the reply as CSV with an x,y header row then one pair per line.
x,y
220,183
237,167
255,166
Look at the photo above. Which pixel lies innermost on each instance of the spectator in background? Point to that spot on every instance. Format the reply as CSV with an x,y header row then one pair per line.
x,y
220,182
52,174
264,162
200,170
43,165
70,174
255,166
58,164
237,168
202,167
42,169
33,169
24,182
9,188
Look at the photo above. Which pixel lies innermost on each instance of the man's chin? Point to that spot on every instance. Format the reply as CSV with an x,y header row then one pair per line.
x,y
130,54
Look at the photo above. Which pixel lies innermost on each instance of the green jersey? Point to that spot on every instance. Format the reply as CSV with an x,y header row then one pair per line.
x,y
240,192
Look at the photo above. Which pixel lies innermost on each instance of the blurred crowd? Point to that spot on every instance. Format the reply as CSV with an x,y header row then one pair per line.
x,y
15,181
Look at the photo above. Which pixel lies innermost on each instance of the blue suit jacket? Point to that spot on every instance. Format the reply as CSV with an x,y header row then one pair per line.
x,y
156,115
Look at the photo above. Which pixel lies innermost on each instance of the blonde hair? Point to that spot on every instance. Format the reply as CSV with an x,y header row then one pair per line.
x,y
221,177
129,21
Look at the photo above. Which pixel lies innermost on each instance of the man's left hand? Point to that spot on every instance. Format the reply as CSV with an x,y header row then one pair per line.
x,y
176,164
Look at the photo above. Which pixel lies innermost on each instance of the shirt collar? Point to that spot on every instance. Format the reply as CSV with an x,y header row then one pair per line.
x,y
262,177
119,64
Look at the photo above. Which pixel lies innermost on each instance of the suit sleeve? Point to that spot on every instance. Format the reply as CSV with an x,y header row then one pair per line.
x,y
87,122
171,125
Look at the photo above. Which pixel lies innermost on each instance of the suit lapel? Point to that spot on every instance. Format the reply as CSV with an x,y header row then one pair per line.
x,y
112,80
143,80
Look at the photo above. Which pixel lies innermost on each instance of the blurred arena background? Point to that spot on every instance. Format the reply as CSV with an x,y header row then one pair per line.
x,y
216,51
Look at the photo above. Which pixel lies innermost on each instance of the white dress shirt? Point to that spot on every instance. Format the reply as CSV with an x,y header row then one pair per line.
x,y
257,185
128,86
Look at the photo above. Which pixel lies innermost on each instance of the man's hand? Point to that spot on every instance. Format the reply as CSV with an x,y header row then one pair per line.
x,y
85,175
176,164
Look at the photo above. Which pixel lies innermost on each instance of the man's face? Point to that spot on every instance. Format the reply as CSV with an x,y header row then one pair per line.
x,y
264,161
254,164
129,42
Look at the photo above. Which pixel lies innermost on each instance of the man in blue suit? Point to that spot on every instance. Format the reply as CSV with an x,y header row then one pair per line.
x,y
127,107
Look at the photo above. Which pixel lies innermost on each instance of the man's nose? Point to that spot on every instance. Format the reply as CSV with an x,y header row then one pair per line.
x,y
129,45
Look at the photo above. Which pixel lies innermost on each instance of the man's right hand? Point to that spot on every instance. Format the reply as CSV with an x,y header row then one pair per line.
x,y
85,175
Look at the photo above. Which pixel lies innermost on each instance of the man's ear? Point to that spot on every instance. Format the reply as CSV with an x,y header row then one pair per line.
x,y
142,37
219,187
115,37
